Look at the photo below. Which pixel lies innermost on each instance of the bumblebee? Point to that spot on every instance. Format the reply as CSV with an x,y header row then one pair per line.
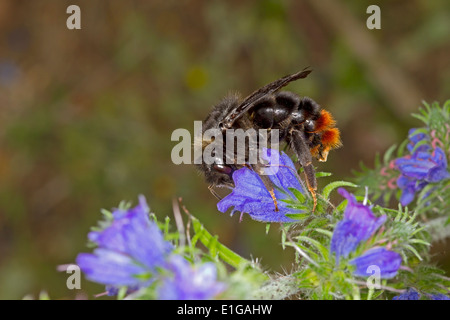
x,y
307,129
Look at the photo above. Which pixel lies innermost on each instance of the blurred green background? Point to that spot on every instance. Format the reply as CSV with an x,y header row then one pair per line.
x,y
86,115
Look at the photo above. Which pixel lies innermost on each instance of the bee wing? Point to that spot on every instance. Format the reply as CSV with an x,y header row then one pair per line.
x,y
252,99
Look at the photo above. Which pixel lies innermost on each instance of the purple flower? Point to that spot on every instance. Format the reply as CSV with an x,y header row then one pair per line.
x,y
410,187
425,165
387,261
129,250
358,224
409,294
412,294
188,282
415,138
251,196
439,296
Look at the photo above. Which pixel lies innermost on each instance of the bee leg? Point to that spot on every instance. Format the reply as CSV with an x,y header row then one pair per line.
x,y
268,184
272,194
214,193
301,149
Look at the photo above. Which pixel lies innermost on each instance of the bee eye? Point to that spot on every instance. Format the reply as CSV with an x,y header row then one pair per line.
x,y
309,125
223,169
298,117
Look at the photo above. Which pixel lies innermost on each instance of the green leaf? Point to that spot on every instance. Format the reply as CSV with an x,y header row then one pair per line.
x,y
320,247
418,230
420,241
122,293
401,149
420,117
297,207
311,255
426,105
341,206
336,184
387,197
215,246
166,225
300,196
298,216
283,239
405,214
323,174
377,161
399,214
316,223
108,215
413,250
325,232
290,201
388,154
375,294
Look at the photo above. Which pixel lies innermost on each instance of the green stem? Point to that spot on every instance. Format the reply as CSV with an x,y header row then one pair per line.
x,y
356,293
215,247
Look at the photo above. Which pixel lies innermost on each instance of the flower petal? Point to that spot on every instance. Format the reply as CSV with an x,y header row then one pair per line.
x,y
360,213
129,250
439,296
189,283
345,238
251,196
407,196
358,224
282,170
110,268
437,174
387,261
409,294
135,235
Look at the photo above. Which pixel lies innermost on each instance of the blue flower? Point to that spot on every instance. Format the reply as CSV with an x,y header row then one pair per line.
x,y
188,282
387,261
251,196
409,294
415,138
439,296
425,165
409,187
129,250
412,294
358,224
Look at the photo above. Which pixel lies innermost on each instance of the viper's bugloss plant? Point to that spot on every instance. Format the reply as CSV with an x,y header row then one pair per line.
x,y
132,253
375,244
359,224
424,166
121,258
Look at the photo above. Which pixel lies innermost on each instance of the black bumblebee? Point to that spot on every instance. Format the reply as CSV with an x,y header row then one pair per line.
x,y
306,128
